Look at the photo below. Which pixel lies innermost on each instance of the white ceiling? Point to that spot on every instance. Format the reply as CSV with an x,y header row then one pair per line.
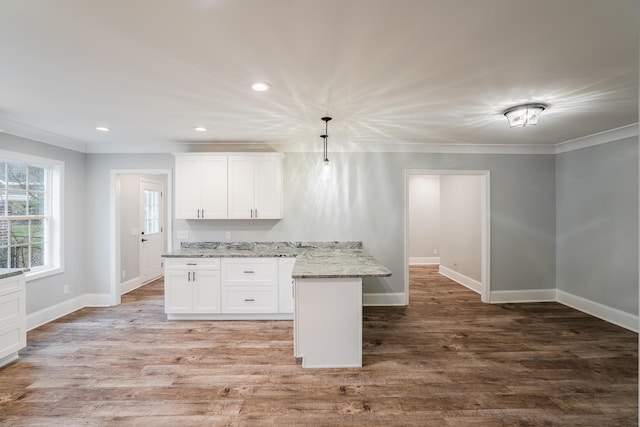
x,y
389,72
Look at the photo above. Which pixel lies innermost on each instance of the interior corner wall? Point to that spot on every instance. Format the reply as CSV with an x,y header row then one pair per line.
x,y
424,216
461,227
597,224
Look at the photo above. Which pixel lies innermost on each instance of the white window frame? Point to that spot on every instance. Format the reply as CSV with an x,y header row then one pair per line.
x,y
54,247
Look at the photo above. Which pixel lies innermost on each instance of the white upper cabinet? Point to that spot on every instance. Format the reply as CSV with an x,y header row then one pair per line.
x,y
255,186
201,187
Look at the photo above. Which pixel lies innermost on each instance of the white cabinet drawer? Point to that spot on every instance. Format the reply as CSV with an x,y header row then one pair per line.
x,y
12,308
13,337
11,284
249,299
249,271
192,263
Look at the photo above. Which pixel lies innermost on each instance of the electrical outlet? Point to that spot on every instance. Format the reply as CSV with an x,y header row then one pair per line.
x,y
435,252
228,234
183,234
124,274
65,289
134,232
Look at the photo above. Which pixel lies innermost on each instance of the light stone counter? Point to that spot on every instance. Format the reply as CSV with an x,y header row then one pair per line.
x,y
313,259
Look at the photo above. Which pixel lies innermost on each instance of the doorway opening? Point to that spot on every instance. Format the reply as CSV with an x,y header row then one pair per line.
x,y
455,233
140,227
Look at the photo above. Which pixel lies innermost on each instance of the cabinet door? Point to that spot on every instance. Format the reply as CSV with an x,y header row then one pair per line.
x,y
241,187
268,187
188,187
206,291
214,187
178,292
285,285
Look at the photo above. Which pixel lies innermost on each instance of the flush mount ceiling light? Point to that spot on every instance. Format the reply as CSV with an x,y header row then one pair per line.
x,y
524,115
200,129
260,86
324,139
102,129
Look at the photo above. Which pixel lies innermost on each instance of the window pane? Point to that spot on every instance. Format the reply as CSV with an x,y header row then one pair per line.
x,y
151,212
36,203
19,232
19,257
17,203
3,202
4,260
3,175
17,176
37,230
37,255
4,233
36,178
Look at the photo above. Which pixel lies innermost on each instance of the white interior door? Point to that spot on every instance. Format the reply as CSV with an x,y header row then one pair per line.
x,y
151,235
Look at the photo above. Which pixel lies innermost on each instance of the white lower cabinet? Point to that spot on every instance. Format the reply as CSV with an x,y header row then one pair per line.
x,y
192,285
13,327
249,285
229,288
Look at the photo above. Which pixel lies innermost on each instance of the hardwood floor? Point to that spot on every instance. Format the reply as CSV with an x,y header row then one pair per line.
x,y
445,360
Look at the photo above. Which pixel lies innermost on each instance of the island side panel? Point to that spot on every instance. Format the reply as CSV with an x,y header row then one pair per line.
x,y
328,322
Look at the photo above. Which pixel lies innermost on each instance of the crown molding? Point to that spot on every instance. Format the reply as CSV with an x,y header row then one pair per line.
x,y
611,135
628,131
16,129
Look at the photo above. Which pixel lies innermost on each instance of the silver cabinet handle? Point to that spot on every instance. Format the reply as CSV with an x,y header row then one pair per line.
x,y
202,213
248,272
192,263
188,276
194,276
249,299
256,212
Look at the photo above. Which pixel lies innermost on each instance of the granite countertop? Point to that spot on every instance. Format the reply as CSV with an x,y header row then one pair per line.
x,y
10,272
313,259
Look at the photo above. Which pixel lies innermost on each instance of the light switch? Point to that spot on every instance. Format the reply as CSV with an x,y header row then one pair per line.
x,y
134,232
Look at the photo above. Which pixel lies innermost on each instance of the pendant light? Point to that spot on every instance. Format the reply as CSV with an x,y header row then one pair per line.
x,y
324,138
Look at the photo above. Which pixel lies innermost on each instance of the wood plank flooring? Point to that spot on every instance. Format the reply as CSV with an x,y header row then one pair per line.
x,y
445,360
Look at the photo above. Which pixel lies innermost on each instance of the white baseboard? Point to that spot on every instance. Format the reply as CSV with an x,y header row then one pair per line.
x,y
384,299
130,285
530,295
425,260
601,311
466,281
54,312
48,314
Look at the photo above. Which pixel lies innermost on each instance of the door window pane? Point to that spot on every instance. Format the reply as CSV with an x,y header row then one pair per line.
x,y
151,211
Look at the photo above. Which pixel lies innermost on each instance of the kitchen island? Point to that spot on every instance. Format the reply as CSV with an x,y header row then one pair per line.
x,y
327,288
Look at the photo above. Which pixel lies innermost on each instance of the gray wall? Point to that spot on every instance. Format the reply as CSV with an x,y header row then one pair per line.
x,y
424,216
461,224
96,207
129,193
48,291
365,200
597,216
597,223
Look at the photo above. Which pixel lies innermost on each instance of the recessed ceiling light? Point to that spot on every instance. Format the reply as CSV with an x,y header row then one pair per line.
x,y
200,129
102,129
260,86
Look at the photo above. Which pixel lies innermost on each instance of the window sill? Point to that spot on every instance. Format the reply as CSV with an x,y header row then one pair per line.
x,y
41,274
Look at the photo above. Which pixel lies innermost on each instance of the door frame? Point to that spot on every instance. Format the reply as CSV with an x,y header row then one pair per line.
x,y
114,223
485,224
